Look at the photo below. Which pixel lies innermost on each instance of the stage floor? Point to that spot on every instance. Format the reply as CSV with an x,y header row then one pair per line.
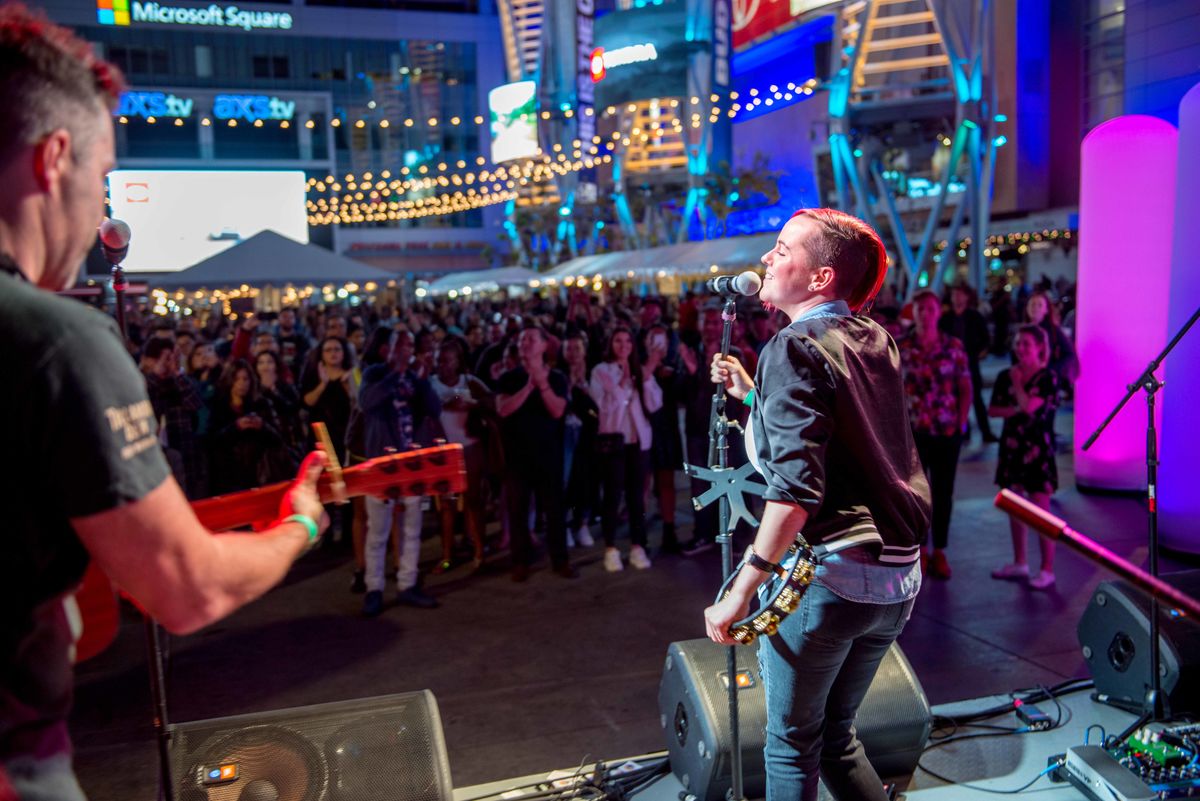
x,y
535,675
995,764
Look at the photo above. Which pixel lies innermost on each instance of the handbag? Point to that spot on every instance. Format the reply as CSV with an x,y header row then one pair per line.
x,y
609,444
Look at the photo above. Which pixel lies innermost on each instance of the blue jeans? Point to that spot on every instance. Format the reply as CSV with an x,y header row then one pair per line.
x,y
816,670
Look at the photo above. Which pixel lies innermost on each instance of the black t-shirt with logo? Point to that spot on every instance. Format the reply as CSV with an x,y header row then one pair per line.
x,y
79,438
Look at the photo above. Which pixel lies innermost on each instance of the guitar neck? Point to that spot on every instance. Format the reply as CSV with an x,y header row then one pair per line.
x,y
429,471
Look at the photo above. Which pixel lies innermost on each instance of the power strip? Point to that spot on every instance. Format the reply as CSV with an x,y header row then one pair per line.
x,y
1102,778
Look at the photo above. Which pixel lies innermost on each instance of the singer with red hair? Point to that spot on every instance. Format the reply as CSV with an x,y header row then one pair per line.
x,y
829,432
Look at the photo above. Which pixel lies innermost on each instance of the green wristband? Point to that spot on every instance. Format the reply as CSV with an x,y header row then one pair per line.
x,y
749,399
307,522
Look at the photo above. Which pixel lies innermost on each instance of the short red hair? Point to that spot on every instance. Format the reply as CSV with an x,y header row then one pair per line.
x,y
853,249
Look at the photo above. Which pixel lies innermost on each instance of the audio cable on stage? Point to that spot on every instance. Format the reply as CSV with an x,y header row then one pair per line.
x,y
1034,721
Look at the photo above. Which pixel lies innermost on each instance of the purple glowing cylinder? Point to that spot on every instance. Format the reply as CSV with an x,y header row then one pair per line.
x,y
1179,497
1126,216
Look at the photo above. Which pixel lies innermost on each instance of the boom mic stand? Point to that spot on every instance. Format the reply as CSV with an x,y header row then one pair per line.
x,y
728,487
1153,707
154,649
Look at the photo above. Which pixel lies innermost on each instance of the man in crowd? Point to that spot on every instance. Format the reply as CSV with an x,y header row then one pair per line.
x,y
293,343
966,324
176,400
531,401
830,435
87,479
937,383
394,402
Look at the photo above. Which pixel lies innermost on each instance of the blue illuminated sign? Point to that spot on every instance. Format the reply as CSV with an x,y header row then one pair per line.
x,y
154,104
252,107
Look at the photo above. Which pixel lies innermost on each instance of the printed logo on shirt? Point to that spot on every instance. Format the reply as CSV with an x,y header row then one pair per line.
x,y
135,424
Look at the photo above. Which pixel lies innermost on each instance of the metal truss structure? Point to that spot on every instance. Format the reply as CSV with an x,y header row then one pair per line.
x,y
901,62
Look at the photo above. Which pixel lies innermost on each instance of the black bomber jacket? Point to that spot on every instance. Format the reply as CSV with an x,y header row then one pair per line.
x,y
830,430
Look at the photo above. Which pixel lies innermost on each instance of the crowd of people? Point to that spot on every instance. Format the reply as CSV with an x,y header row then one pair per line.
x,y
570,411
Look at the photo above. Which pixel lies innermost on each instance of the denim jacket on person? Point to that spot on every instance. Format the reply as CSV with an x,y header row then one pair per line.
x,y
393,406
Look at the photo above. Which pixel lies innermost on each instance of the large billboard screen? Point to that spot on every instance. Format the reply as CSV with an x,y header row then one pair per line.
x,y
513,107
179,217
758,19
644,53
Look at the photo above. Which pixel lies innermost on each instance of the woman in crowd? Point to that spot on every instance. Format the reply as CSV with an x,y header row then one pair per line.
x,y
1040,311
463,398
283,402
579,457
1025,396
626,393
330,394
327,389
666,457
244,447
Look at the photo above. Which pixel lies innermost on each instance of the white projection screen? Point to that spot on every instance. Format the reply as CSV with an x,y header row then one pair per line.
x,y
181,217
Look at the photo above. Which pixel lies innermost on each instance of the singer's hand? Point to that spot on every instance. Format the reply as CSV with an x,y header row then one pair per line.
x,y
729,371
720,616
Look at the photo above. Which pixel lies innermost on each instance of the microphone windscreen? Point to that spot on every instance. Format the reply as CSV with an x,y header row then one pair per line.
x,y
114,234
748,283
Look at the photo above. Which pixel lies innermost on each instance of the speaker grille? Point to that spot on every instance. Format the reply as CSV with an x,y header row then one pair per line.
x,y
372,749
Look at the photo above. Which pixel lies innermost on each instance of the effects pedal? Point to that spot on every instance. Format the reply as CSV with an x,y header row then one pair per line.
x,y
1102,778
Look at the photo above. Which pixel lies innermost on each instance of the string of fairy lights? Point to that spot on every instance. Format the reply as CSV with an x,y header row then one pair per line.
x,y
372,197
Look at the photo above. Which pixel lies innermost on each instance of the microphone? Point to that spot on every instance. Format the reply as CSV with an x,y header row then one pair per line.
x,y
114,240
747,283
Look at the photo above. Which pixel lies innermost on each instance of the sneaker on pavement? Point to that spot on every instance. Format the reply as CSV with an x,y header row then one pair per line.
x,y
570,539
612,560
1013,572
939,568
414,597
638,558
372,603
584,537
1044,580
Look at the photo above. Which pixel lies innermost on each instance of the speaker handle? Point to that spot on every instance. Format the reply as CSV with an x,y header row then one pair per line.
x,y
1055,528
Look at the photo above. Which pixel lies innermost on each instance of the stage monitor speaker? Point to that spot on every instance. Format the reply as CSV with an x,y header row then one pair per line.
x,y
693,702
370,749
1114,633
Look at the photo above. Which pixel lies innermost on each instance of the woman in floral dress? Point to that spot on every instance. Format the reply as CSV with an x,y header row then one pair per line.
x,y
1026,396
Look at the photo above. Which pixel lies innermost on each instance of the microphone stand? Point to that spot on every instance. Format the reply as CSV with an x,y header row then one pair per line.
x,y
718,459
158,693
1154,708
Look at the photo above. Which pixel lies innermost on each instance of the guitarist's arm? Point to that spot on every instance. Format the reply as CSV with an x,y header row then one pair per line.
x,y
158,552
776,533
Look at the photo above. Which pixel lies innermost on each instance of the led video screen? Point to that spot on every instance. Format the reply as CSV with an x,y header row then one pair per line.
x,y
179,218
513,108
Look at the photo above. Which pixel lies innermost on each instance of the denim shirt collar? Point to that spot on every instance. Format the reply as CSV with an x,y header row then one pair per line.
x,y
833,308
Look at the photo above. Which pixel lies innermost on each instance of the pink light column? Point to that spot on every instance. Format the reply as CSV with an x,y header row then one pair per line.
x,y
1126,217
1179,497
